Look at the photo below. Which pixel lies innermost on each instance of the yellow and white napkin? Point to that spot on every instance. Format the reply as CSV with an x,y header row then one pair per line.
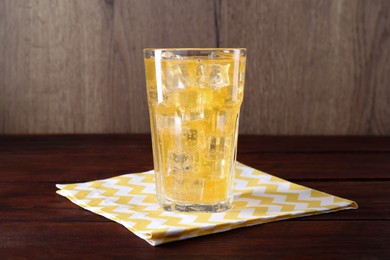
x,y
259,198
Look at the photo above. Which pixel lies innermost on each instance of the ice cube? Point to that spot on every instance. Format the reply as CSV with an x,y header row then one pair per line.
x,y
220,54
176,76
201,75
214,76
169,56
219,76
192,134
195,187
181,162
216,167
213,55
165,121
191,137
216,145
167,117
221,121
193,103
193,115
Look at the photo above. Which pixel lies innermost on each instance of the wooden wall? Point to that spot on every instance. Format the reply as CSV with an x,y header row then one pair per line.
x,y
314,66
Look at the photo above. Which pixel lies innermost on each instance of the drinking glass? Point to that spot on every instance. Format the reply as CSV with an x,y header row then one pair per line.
x,y
194,98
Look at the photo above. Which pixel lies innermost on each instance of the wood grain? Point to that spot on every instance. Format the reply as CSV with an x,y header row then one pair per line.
x,y
104,240
77,66
35,222
44,205
83,158
314,67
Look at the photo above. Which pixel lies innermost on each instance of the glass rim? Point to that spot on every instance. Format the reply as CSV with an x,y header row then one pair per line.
x,y
194,49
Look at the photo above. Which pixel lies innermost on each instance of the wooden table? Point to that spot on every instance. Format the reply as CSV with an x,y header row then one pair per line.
x,y
37,223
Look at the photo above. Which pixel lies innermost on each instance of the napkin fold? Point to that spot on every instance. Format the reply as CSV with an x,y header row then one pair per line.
x,y
130,200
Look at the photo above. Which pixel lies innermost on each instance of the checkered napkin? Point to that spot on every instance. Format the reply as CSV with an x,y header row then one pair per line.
x,y
130,200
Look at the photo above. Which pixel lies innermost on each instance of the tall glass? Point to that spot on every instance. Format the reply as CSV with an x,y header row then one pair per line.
x,y
194,98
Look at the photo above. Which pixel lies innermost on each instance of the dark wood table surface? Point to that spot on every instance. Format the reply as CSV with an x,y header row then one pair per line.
x,y
35,222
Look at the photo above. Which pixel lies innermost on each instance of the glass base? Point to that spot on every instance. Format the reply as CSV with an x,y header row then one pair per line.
x,y
211,208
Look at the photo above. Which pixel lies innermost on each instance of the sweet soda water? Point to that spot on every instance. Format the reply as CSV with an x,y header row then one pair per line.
x,y
194,104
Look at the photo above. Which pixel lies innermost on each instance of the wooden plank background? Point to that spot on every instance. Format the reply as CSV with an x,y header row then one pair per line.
x,y
317,67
